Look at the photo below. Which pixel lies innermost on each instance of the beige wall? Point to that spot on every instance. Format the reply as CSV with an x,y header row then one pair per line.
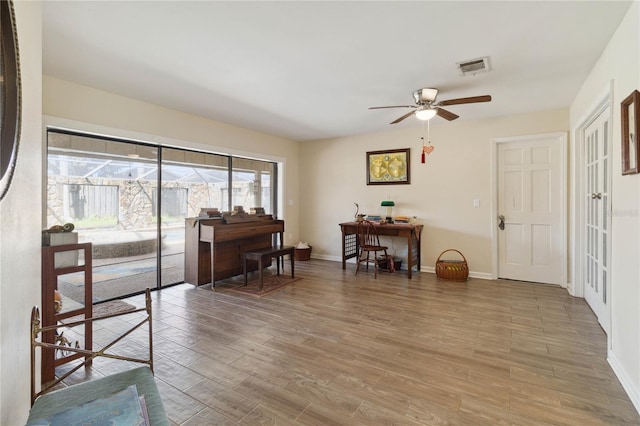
x,y
620,64
441,192
77,107
331,178
20,218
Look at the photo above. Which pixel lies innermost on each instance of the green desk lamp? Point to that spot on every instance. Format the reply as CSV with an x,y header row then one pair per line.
x,y
389,206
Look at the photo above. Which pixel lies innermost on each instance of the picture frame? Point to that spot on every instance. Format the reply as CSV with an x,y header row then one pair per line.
x,y
389,167
630,117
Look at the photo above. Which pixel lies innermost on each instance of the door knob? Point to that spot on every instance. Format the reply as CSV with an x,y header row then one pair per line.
x,y
501,222
596,195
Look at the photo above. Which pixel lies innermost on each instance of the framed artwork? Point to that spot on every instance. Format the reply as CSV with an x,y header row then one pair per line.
x,y
630,112
390,167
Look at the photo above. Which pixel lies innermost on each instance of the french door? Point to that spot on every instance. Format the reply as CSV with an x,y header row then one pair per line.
x,y
596,206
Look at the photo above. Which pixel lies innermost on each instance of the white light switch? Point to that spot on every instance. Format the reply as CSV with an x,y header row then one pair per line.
x,y
476,202
290,202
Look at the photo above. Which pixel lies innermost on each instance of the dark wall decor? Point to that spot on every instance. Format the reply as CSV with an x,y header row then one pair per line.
x,y
9,95
389,167
630,113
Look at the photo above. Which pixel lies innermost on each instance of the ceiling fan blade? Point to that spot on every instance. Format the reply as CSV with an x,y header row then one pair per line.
x,y
447,115
393,106
397,120
471,100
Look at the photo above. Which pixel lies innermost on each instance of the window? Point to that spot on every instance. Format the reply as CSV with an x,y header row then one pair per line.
x,y
131,199
252,184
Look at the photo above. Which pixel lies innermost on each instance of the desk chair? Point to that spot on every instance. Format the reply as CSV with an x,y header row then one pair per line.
x,y
369,242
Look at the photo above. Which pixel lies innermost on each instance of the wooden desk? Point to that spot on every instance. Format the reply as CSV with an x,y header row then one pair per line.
x,y
412,233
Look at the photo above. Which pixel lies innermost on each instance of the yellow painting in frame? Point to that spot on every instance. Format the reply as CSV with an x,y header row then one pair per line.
x,y
389,167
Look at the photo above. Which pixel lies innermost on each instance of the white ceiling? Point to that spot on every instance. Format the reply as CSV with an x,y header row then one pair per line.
x,y
309,70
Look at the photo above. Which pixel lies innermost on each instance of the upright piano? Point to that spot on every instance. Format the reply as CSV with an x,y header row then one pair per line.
x,y
214,247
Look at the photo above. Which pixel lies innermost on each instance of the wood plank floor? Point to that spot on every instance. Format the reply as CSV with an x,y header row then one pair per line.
x,y
339,349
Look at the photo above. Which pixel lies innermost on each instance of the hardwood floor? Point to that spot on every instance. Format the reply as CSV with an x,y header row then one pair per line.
x,y
340,349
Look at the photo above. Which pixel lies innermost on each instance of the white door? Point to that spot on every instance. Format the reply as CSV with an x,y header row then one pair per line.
x,y
597,221
531,206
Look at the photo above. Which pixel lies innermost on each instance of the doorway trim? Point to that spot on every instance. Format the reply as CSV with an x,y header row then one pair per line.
x,y
495,143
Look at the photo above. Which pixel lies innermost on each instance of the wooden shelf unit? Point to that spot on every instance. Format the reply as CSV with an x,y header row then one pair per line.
x,y
50,276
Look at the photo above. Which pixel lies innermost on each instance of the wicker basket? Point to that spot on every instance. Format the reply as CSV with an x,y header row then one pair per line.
x,y
302,253
452,270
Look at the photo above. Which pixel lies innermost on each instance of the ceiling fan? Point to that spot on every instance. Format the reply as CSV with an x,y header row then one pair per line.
x,y
426,106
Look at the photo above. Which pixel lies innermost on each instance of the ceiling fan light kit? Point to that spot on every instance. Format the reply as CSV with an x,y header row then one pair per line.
x,y
425,114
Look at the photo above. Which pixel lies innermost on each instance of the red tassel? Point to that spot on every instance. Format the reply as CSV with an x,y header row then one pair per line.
x,y
423,157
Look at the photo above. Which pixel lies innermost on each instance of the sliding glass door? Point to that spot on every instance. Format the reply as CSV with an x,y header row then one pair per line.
x,y
105,189
132,202
251,183
190,182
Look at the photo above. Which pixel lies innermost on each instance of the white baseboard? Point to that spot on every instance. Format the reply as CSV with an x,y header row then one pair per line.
x,y
625,381
325,257
427,269
479,275
351,261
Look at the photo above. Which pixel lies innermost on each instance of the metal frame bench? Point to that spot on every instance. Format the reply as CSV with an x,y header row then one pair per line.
x,y
46,403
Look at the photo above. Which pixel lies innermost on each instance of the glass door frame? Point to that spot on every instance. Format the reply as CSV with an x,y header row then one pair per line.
x,y
159,161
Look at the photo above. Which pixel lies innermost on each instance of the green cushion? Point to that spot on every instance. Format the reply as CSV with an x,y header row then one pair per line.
x,y
59,400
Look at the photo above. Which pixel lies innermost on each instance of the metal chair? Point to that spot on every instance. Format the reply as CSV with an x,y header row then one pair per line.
x,y
369,242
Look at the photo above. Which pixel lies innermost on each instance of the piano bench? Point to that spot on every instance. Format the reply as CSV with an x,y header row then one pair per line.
x,y
268,253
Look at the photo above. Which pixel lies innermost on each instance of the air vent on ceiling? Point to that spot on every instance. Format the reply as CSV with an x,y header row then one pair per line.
x,y
474,66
